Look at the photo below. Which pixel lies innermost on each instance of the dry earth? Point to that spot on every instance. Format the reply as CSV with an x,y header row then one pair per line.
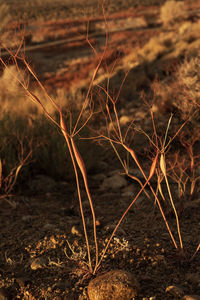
x,y
43,252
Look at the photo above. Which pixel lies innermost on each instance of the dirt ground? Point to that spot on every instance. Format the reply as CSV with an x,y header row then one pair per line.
x,y
43,249
43,253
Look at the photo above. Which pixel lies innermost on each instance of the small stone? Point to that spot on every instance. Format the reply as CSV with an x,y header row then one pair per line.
x,y
26,218
99,177
191,297
124,120
175,291
128,191
48,227
114,182
38,263
114,285
75,231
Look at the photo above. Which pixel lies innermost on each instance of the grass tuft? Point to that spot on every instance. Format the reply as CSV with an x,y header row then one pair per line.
x,y
172,11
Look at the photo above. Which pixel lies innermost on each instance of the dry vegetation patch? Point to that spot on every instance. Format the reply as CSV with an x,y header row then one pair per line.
x,y
172,11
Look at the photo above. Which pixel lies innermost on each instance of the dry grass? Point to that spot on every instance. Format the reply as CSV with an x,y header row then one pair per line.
x,y
181,91
23,129
172,11
5,18
187,78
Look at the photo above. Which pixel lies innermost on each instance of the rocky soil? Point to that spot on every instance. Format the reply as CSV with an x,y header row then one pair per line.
x,y
43,253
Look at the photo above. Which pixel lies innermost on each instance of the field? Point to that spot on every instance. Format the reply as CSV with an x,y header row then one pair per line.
x,y
120,82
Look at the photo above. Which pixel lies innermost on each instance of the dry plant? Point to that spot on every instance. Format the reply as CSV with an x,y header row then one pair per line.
x,y
70,129
172,11
8,179
188,165
69,133
164,171
118,138
181,91
188,81
11,94
5,18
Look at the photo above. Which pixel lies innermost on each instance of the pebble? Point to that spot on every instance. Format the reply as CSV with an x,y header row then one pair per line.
x,y
99,177
39,263
191,297
175,291
27,218
114,182
75,231
48,227
113,285
124,120
129,191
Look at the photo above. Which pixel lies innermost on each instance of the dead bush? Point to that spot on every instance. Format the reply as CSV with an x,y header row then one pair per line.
x,y
182,91
188,77
172,12
5,18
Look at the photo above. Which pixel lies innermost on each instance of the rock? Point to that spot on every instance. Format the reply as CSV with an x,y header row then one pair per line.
x,y
27,218
99,177
114,182
114,285
137,173
124,120
48,227
39,263
191,297
129,191
175,291
75,231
